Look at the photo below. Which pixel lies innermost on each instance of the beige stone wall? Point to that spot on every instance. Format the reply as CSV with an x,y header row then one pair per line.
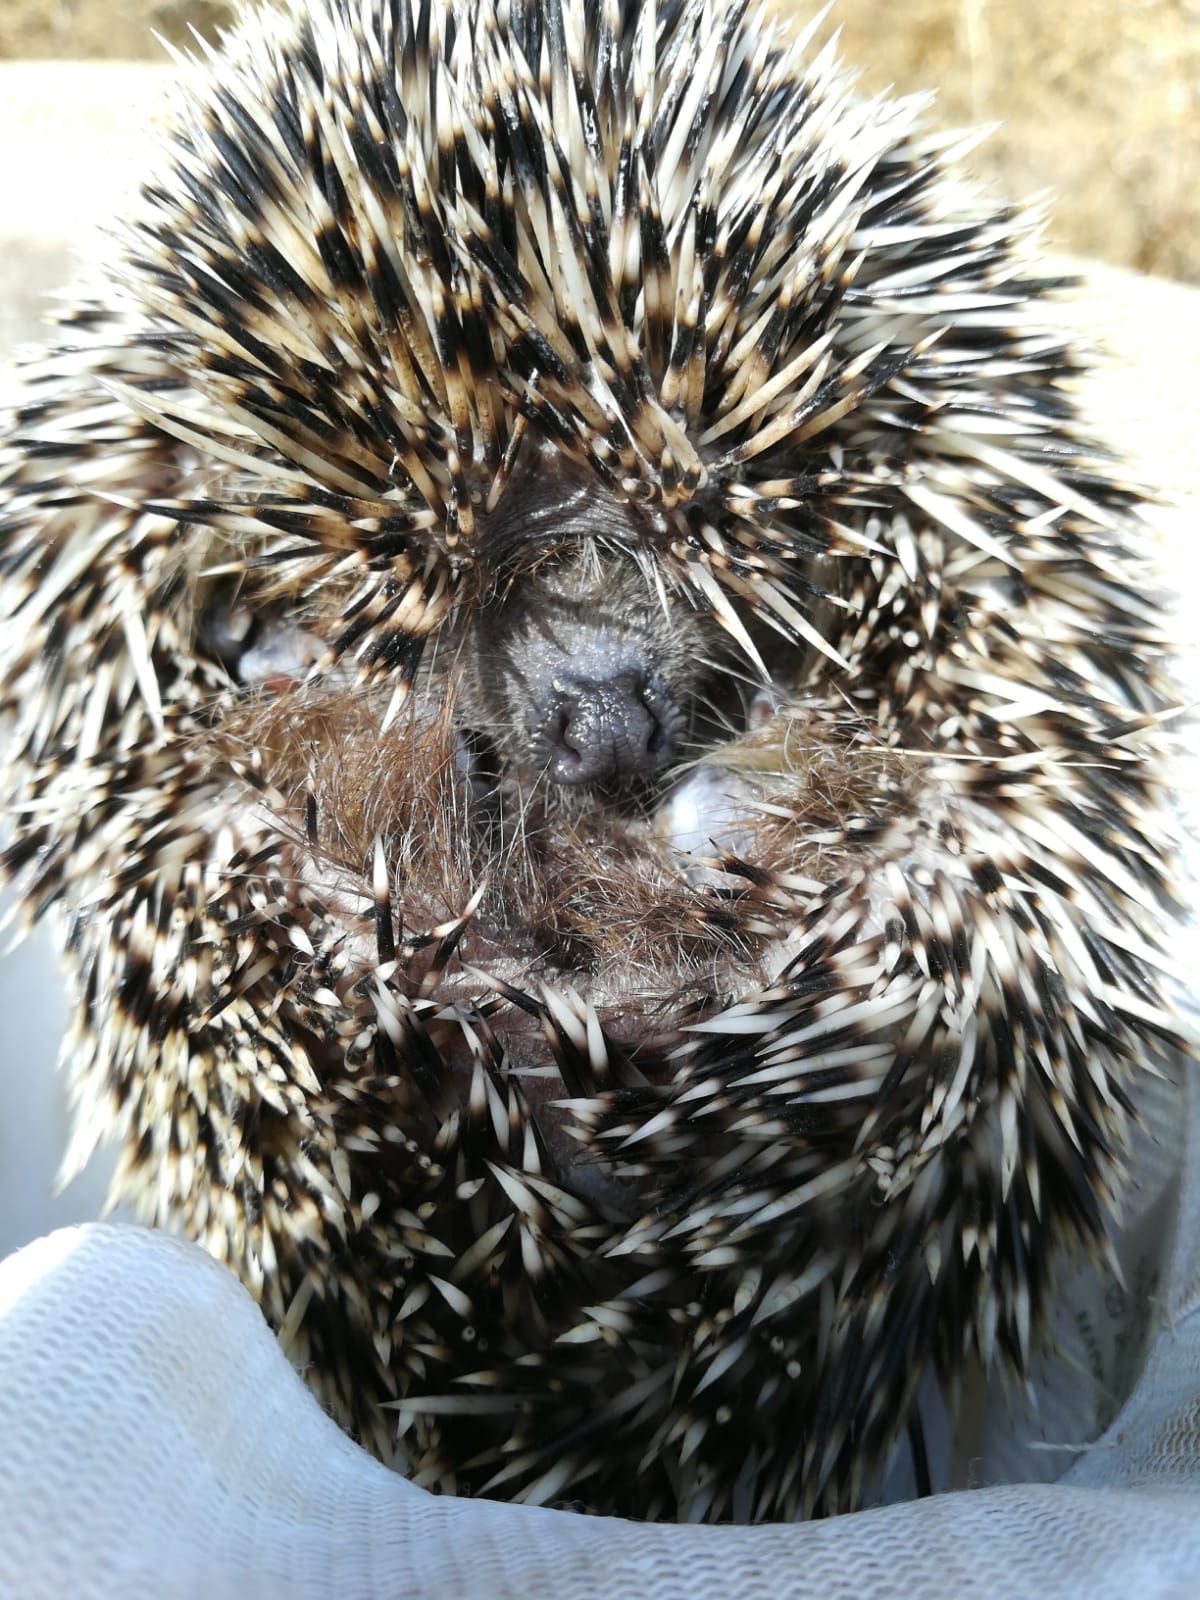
x,y
102,30
1099,99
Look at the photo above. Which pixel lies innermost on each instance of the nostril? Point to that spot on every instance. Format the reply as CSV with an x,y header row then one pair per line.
x,y
664,721
645,731
658,742
557,725
568,758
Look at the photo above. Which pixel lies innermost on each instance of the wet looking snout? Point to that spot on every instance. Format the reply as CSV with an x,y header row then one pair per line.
x,y
585,667
594,730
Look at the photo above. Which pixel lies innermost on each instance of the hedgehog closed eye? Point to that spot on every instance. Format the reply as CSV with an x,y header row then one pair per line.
x,y
591,713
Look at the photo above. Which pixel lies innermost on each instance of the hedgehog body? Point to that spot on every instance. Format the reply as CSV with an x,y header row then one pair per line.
x,y
643,1142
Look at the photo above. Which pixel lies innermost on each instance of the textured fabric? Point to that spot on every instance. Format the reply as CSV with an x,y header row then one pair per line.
x,y
155,1442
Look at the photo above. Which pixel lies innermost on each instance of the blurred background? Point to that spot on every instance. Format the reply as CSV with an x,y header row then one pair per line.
x,y
1100,99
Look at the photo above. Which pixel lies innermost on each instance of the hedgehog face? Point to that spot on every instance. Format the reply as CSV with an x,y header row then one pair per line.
x,y
581,676
550,762
590,709
577,667
556,744
583,672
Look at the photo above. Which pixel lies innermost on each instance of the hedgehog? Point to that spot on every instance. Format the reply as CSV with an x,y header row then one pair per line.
x,y
590,710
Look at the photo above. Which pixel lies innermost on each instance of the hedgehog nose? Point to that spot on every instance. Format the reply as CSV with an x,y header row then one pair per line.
x,y
619,727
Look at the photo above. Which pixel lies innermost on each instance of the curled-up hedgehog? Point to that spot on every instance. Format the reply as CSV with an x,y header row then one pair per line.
x,y
590,712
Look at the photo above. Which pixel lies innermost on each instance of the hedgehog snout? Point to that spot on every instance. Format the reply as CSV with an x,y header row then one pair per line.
x,y
620,726
582,672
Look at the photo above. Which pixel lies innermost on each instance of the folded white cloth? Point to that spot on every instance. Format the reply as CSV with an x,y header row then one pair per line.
x,y
154,1442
